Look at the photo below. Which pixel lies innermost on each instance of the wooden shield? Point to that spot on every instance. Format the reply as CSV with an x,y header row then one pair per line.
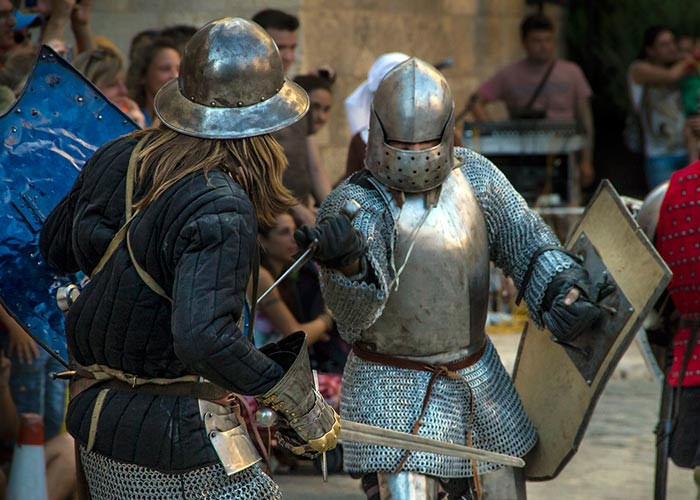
x,y
560,384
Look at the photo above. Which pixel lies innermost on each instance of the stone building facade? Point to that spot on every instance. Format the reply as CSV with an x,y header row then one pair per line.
x,y
479,35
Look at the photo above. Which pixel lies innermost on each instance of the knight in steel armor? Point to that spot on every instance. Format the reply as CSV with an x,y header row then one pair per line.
x,y
165,223
407,280
669,217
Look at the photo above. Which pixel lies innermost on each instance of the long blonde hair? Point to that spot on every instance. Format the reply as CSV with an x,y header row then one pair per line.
x,y
255,163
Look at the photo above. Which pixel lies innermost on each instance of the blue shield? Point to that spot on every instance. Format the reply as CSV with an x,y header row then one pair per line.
x,y
59,121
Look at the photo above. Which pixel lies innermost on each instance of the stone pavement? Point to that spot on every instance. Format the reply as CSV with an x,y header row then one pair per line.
x,y
615,460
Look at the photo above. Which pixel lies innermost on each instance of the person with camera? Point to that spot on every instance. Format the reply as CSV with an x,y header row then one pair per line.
x,y
165,223
542,86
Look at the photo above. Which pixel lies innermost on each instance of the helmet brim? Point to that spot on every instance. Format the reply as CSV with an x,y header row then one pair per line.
x,y
177,112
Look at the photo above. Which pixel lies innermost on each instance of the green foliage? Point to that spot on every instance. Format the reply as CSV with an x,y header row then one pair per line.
x,y
605,36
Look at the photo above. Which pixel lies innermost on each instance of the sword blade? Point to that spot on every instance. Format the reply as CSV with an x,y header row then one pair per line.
x,y
363,433
324,460
308,253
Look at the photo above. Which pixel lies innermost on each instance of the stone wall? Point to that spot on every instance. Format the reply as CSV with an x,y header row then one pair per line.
x,y
480,36
120,20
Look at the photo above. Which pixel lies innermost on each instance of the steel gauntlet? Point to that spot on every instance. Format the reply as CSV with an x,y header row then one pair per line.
x,y
308,425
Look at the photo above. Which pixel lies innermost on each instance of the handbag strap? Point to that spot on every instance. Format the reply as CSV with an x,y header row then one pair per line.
x,y
541,85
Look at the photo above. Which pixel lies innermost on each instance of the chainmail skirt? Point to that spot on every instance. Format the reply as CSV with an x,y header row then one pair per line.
x,y
391,397
112,480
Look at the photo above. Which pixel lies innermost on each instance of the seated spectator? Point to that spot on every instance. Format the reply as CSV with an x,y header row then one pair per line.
x,y
297,303
149,71
278,313
320,97
105,68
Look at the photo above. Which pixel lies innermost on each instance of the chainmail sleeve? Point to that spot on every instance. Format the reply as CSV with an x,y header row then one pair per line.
x,y
515,232
355,304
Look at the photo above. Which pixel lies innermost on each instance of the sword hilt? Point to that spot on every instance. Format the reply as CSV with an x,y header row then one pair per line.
x,y
351,209
66,375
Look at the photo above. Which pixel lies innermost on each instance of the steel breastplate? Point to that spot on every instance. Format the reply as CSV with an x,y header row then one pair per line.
x,y
441,302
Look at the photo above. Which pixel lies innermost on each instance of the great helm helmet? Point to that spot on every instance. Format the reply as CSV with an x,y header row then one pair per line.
x,y
231,85
413,104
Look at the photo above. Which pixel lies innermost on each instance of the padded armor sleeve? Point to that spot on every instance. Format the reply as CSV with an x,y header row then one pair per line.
x,y
515,232
355,304
209,289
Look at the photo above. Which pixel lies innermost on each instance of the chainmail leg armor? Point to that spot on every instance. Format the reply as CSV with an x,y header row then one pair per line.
x,y
391,397
110,480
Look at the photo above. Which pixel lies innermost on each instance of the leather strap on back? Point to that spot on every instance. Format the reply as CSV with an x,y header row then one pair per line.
x,y
123,233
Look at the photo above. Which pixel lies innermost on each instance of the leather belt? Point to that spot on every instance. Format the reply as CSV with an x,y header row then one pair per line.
x,y
198,390
84,379
411,364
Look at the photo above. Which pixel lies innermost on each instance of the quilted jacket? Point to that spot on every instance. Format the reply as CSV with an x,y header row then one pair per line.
x,y
197,241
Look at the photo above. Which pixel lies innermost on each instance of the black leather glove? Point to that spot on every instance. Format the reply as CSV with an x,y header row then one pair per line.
x,y
568,322
339,243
